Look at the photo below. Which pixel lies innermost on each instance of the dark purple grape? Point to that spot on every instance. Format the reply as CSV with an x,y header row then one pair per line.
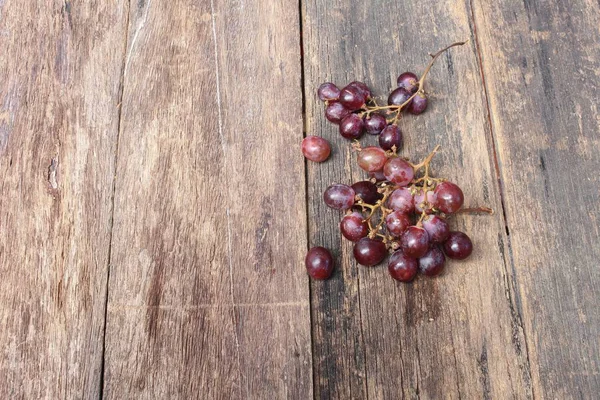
x,y
352,127
328,92
414,242
340,197
458,246
391,136
378,176
353,98
375,123
396,223
398,97
367,191
398,171
335,112
432,262
353,226
418,104
437,228
401,200
371,159
402,268
319,263
362,88
316,148
408,81
420,203
369,251
449,197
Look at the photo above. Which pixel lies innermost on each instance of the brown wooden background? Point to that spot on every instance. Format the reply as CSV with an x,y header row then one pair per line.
x,y
155,208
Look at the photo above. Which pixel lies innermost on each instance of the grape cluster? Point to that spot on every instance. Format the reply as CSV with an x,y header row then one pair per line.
x,y
402,209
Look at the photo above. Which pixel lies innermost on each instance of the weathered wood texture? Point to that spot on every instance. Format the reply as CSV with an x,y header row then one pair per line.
x,y
59,89
457,336
541,62
207,297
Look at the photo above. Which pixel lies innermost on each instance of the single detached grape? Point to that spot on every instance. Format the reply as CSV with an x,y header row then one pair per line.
x,y
371,159
377,175
391,136
319,263
432,262
420,203
369,251
408,81
352,127
352,97
398,171
375,123
335,112
418,104
315,148
362,88
458,246
367,191
398,97
328,92
353,227
339,197
401,200
396,223
449,197
414,242
402,268
437,228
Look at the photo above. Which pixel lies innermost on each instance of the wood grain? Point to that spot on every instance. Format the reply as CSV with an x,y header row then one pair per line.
x,y
208,297
540,62
456,336
59,90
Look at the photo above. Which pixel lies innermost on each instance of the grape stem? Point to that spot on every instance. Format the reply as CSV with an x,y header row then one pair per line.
x,y
397,108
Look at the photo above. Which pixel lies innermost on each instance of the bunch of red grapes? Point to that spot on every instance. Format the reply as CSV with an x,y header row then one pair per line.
x,y
401,210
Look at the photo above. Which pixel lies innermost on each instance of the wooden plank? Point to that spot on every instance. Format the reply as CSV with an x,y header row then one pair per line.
x,y
59,89
208,297
456,336
540,61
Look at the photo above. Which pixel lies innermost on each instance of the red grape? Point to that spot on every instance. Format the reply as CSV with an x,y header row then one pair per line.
x,y
377,175
352,127
367,191
401,200
315,148
398,171
319,263
420,201
369,251
402,268
396,223
375,123
449,197
458,246
398,97
432,262
437,228
371,159
353,226
352,97
339,197
408,81
414,242
335,112
362,88
391,136
328,92
418,104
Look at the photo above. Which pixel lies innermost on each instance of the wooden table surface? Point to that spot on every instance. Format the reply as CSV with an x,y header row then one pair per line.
x,y
155,208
